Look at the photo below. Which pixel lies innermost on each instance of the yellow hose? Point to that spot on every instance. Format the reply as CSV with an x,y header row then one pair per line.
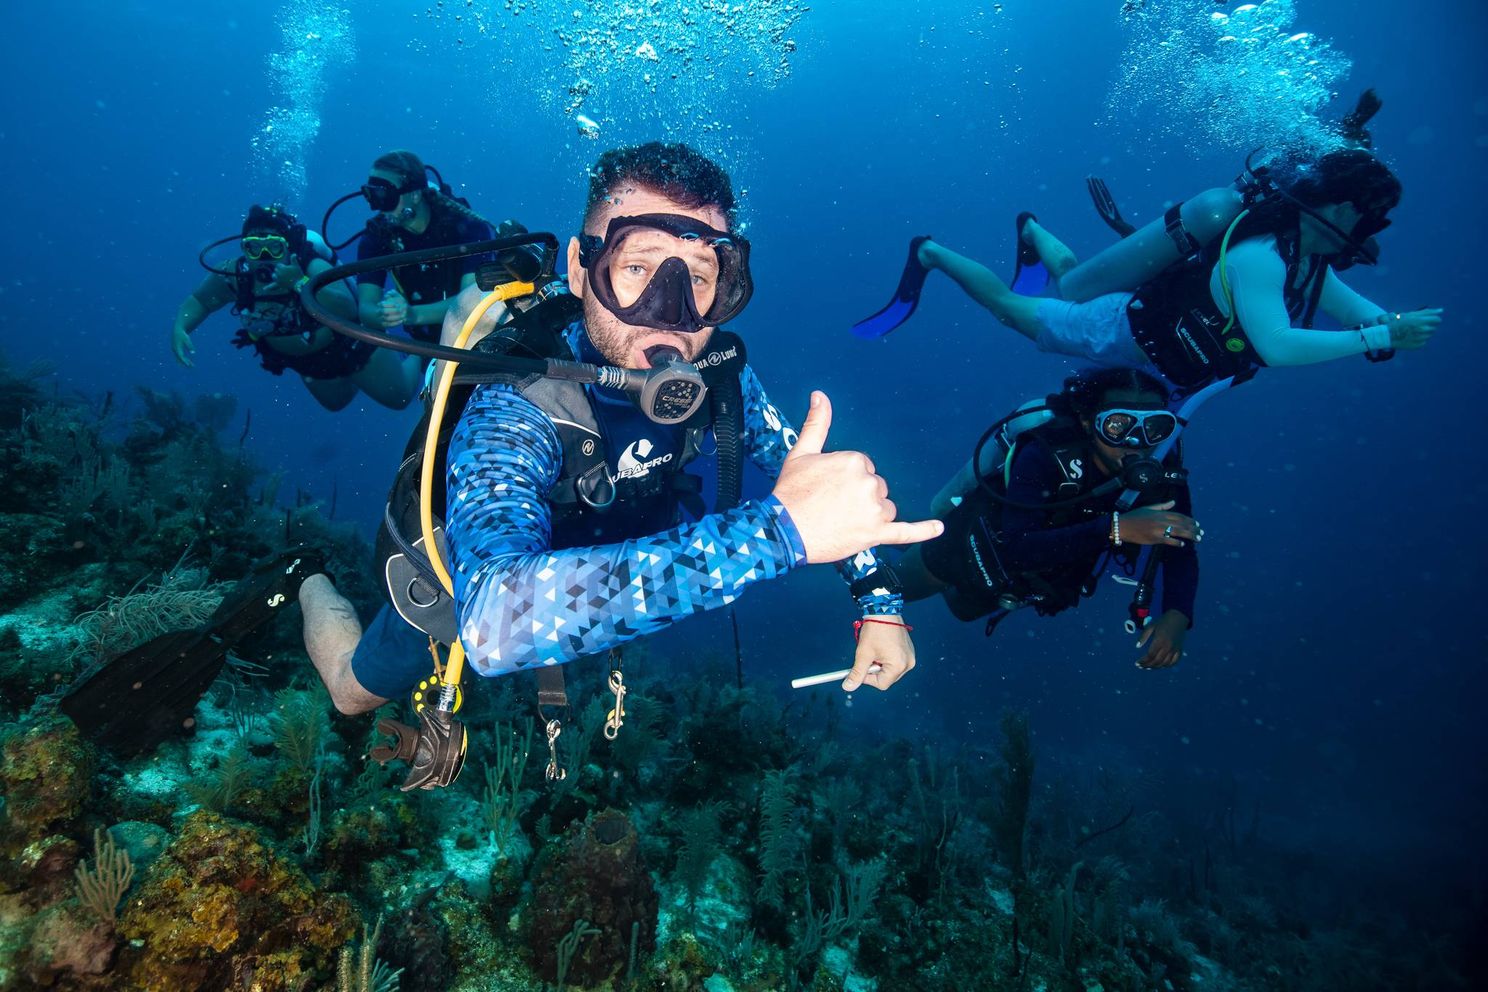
x,y
455,668
1224,278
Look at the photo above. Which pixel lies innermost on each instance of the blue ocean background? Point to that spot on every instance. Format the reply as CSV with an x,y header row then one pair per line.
x,y
1336,673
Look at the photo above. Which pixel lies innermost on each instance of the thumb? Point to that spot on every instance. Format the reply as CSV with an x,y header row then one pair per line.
x,y
1166,505
1146,636
813,436
862,664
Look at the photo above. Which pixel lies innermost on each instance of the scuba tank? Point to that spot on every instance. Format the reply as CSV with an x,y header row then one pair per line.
x,y
993,455
1179,233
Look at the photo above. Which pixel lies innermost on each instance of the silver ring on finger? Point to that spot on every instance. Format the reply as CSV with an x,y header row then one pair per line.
x,y
1168,531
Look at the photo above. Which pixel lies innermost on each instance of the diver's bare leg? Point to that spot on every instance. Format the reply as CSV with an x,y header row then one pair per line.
x,y
332,631
977,281
1055,254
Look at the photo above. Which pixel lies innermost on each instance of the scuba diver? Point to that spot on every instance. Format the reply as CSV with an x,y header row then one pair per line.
x,y
558,497
262,286
1239,301
416,209
564,505
1042,518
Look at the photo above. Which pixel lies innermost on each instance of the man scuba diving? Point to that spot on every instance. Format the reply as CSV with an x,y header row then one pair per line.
x,y
558,497
278,256
1047,516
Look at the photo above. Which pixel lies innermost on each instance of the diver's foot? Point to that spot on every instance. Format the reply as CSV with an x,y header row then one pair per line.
x,y
928,253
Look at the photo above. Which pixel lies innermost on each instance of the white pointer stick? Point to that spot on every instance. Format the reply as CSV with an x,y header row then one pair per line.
x,y
838,676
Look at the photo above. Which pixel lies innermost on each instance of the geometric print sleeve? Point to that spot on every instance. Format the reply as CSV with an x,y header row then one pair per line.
x,y
768,438
521,603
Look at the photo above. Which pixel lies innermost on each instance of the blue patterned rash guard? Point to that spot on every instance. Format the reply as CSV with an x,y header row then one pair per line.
x,y
523,602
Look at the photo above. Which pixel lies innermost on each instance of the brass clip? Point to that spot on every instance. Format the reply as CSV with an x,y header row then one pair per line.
x,y
555,772
615,719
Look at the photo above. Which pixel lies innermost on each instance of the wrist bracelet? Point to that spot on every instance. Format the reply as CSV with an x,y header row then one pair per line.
x,y
858,625
1115,529
301,283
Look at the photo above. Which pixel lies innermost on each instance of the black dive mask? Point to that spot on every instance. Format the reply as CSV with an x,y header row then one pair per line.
x,y
1363,247
679,273
383,196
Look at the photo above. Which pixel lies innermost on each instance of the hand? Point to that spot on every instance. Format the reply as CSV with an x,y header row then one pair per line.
x,y
288,274
182,347
1157,524
1163,639
839,506
394,309
1409,331
886,645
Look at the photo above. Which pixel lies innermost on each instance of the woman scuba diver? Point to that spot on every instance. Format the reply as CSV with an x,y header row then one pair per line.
x,y
1244,299
1046,517
278,257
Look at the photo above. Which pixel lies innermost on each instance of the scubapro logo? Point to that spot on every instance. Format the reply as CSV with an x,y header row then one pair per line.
x,y
1076,468
632,460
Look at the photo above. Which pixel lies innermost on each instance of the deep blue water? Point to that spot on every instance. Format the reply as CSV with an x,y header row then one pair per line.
x,y
1337,666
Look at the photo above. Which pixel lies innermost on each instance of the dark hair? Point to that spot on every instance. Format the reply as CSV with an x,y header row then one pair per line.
x,y
1085,392
405,163
274,218
408,165
1351,175
676,171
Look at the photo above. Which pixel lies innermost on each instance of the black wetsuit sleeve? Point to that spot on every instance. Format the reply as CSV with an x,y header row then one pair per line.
x,y
371,245
469,232
1180,567
1031,545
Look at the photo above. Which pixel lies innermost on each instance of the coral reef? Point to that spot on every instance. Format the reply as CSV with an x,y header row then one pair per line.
x,y
729,839
46,774
593,876
220,906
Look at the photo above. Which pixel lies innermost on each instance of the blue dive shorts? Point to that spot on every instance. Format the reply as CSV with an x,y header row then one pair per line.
x,y
1097,331
392,656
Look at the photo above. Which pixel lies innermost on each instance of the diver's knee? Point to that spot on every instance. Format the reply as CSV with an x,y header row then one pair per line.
x,y
1060,261
334,402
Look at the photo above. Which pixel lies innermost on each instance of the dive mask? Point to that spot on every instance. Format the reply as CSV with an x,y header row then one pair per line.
x,y
383,196
257,246
1360,247
668,272
1124,428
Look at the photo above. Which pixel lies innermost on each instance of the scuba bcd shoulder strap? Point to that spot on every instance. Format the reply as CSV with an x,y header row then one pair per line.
x,y
413,587
584,484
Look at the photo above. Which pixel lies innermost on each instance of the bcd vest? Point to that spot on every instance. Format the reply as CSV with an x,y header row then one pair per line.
x,y
1177,324
249,292
1048,592
590,504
